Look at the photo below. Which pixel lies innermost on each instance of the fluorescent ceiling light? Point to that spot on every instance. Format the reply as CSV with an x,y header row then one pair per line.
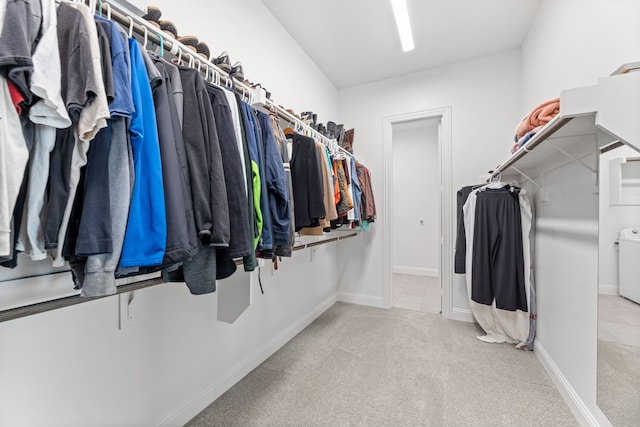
x,y
402,22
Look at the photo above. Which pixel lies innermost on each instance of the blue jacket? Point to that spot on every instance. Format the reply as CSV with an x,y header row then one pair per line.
x,y
276,182
146,236
257,155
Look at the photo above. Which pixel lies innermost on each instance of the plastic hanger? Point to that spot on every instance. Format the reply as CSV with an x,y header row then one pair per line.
x,y
146,37
161,44
130,26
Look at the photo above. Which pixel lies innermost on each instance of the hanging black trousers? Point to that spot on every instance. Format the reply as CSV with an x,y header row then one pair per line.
x,y
498,263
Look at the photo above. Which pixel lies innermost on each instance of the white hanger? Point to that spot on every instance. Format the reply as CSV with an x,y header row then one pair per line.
x,y
108,7
146,35
130,26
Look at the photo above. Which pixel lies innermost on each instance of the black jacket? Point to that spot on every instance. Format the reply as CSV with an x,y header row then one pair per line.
x,y
208,187
307,183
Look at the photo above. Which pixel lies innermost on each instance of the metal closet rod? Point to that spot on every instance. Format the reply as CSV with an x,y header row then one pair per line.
x,y
54,304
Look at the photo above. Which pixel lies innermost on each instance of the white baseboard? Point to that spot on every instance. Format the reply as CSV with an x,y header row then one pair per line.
x,y
606,289
361,299
576,404
416,271
462,315
241,369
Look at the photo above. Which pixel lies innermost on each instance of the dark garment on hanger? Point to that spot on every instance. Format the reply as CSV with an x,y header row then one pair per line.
x,y
240,233
104,42
22,21
284,250
250,262
276,183
208,188
254,140
307,183
198,273
461,237
498,261
94,225
178,203
58,185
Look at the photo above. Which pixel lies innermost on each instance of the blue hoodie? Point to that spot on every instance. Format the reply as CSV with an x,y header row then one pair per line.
x,y
146,236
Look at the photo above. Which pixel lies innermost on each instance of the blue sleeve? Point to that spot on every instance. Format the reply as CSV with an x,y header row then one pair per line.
x,y
146,234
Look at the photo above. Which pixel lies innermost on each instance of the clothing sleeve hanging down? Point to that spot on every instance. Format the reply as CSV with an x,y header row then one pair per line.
x,y
14,155
307,183
235,178
179,206
252,158
499,289
146,233
281,250
208,187
276,182
254,139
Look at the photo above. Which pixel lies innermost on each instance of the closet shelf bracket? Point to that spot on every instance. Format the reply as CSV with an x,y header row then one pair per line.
x,y
572,157
525,176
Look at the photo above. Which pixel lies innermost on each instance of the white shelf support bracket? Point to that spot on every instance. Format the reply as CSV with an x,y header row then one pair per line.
x,y
575,159
524,175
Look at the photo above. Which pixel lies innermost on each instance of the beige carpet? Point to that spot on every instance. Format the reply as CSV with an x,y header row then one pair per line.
x,y
362,366
619,383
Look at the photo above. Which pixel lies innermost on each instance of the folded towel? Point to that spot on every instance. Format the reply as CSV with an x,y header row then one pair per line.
x,y
540,116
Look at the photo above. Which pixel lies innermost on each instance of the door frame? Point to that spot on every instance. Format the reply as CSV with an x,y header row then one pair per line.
x,y
446,211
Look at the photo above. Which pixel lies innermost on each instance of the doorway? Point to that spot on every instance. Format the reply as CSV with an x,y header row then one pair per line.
x,y
416,219
418,247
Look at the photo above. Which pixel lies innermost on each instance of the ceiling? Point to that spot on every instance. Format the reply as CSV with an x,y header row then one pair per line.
x,y
355,41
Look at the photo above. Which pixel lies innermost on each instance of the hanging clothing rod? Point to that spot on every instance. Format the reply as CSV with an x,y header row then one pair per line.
x,y
54,304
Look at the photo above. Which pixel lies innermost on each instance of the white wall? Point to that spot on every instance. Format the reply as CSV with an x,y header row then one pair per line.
x,y
484,96
73,367
416,198
613,219
574,42
269,55
571,44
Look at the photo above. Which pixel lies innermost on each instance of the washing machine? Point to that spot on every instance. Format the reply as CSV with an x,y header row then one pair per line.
x,y
629,263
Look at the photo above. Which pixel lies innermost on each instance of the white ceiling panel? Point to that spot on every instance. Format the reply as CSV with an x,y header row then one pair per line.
x,y
355,41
